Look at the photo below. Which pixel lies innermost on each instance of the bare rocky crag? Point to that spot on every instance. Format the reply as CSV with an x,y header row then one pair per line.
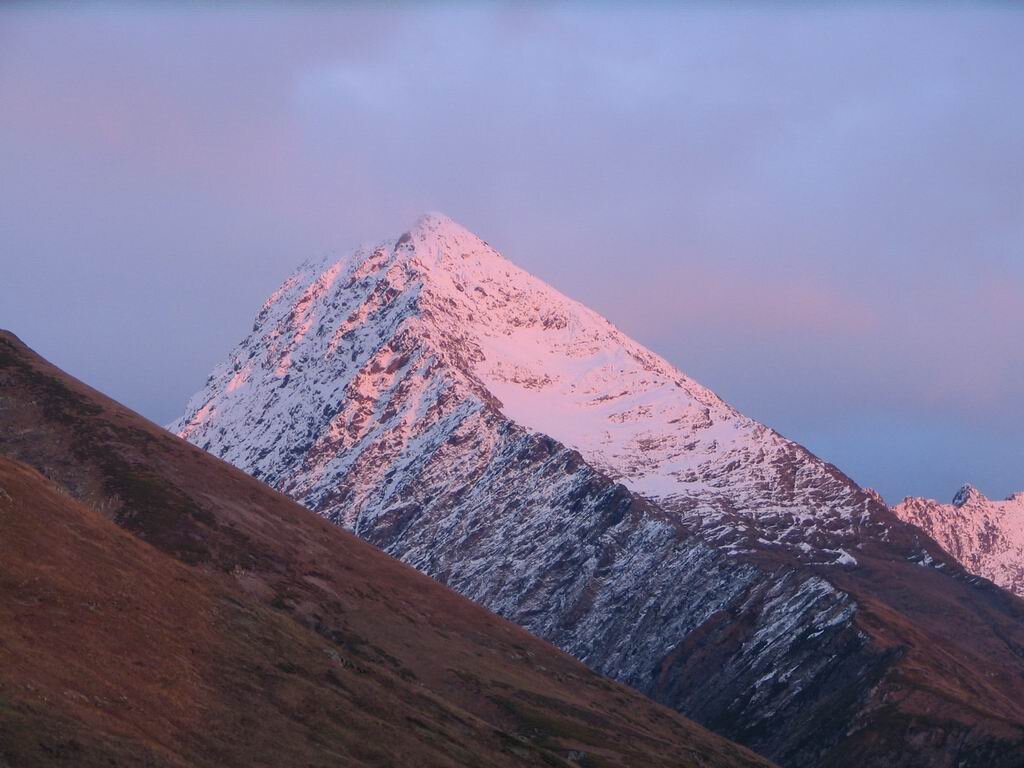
x,y
469,419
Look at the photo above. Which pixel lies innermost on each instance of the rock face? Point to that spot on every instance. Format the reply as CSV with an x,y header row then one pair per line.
x,y
471,420
985,536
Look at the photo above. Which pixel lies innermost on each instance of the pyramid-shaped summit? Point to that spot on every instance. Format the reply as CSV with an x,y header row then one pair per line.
x,y
373,361
472,420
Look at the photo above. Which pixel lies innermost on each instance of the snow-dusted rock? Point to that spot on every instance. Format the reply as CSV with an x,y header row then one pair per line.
x,y
985,536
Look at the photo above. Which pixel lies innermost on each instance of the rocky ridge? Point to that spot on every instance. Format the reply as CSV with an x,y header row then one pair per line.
x,y
985,536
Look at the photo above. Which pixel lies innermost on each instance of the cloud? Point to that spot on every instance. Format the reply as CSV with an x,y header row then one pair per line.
x,y
819,213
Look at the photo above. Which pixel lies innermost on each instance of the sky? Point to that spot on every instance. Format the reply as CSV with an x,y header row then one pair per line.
x,y
815,209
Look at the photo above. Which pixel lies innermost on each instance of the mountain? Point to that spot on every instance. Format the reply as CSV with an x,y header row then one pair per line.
x,y
466,417
161,608
985,536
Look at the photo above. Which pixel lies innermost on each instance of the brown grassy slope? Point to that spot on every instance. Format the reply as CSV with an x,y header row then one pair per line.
x,y
158,607
956,687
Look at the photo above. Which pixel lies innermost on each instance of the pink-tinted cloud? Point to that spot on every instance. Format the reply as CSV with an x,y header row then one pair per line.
x,y
819,214
745,302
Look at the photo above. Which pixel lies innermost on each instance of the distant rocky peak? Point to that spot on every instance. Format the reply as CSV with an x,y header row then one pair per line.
x,y
968,494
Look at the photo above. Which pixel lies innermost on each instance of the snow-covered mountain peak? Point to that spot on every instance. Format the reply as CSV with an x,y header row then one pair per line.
x,y
436,223
377,358
436,245
465,416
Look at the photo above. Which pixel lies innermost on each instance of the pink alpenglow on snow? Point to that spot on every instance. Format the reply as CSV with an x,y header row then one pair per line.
x,y
408,339
986,536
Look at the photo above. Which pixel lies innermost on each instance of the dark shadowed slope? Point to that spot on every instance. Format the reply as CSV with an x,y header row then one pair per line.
x,y
159,607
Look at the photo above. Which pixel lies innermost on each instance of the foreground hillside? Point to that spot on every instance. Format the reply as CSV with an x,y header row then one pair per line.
x,y
470,419
160,608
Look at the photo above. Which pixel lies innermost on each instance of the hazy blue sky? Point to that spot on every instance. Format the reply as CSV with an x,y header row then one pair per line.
x,y
815,209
